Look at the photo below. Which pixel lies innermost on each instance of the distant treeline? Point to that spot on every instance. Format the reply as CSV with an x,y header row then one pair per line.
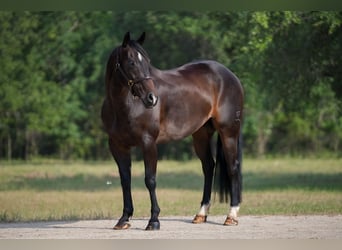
x,y
52,76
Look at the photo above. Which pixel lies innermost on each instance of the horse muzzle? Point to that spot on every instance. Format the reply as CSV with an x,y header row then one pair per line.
x,y
151,100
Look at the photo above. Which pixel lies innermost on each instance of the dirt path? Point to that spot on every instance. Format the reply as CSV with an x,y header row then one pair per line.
x,y
250,227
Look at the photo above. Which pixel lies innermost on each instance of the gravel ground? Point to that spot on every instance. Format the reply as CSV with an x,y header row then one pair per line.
x,y
178,227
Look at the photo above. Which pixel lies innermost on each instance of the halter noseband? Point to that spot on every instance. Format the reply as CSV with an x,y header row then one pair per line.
x,y
130,82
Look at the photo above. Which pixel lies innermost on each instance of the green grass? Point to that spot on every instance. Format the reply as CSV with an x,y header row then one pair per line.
x,y
57,190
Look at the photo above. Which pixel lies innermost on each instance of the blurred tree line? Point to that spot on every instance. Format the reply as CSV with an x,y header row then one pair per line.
x,y
52,68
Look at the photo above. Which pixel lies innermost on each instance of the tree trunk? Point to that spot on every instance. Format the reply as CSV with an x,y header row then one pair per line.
x,y
9,147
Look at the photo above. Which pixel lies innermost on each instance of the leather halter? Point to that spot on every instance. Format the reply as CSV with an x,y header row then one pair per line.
x,y
130,82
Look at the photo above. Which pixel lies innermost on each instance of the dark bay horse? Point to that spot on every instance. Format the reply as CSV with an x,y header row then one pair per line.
x,y
145,106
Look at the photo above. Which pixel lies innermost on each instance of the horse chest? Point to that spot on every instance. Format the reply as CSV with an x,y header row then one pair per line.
x,y
130,129
123,136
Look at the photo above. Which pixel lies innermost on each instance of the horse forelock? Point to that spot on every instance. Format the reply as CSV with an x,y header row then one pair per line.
x,y
116,53
139,49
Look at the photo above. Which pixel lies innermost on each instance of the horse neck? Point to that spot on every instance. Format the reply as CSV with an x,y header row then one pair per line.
x,y
155,71
118,95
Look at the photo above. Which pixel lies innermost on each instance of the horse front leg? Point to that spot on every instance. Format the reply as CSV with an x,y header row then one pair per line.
x,y
150,161
123,160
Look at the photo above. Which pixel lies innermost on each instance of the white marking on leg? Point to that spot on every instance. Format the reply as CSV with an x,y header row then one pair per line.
x,y
139,57
204,210
233,212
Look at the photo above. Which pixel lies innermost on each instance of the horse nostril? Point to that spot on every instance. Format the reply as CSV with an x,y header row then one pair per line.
x,y
152,99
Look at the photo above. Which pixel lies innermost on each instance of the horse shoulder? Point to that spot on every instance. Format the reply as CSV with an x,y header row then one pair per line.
x,y
105,115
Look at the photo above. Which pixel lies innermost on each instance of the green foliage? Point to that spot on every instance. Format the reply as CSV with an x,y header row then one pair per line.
x,y
52,76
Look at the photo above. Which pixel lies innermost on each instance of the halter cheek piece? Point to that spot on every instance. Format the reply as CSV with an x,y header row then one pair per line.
x,y
130,82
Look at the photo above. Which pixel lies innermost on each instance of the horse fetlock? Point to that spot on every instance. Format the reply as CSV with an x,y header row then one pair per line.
x,y
233,211
204,210
201,216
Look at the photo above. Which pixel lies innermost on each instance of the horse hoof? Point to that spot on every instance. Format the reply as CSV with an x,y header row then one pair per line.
x,y
122,226
199,219
230,222
155,225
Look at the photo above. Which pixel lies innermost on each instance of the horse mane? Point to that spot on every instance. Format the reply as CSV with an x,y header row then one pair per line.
x,y
110,68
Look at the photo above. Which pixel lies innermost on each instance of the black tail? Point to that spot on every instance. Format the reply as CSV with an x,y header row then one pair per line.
x,y
222,180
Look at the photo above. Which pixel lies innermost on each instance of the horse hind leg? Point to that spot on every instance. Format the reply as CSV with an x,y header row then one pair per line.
x,y
202,145
232,154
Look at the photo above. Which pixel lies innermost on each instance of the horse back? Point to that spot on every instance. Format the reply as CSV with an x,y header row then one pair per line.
x,y
192,94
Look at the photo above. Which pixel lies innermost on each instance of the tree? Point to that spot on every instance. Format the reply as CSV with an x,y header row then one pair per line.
x,y
52,76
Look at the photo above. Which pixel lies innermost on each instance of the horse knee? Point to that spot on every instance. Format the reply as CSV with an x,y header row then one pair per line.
x,y
150,182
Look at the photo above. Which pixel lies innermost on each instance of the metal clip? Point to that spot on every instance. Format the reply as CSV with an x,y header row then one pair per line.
x,y
130,83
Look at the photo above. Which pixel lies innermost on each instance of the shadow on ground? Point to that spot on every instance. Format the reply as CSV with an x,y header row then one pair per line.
x,y
186,180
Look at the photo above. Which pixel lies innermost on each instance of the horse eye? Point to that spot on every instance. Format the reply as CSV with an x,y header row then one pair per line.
x,y
131,62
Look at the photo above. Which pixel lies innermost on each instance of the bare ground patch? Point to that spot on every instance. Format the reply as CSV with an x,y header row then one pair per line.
x,y
180,227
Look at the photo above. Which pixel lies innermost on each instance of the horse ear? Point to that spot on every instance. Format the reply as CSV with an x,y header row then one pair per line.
x,y
141,39
126,39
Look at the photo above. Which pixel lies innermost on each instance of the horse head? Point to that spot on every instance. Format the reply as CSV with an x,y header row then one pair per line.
x,y
133,67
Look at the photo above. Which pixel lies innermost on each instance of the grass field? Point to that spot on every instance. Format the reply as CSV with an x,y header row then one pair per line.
x,y
57,190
